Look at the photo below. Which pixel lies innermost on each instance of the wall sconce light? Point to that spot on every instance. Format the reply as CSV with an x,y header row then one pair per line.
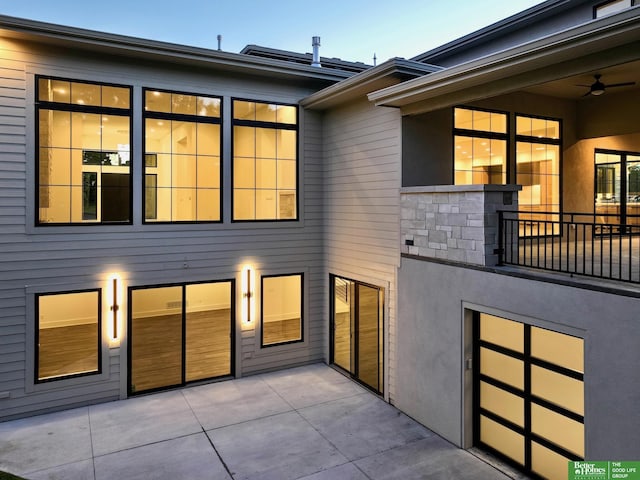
x,y
114,306
247,294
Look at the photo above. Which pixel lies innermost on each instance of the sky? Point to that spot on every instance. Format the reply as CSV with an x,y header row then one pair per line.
x,y
352,30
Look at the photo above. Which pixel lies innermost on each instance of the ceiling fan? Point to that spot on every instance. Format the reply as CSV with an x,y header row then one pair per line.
x,y
598,88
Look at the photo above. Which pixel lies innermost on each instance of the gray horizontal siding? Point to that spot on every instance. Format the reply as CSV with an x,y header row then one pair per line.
x,y
52,258
362,148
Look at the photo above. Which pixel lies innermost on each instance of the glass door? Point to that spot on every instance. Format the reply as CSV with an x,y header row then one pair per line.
x,y
179,334
617,191
609,184
357,333
632,210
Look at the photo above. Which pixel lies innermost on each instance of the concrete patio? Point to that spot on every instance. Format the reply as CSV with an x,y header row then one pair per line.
x,y
309,422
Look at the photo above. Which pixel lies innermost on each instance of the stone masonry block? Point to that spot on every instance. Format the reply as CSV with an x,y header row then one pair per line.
x,y
421,241
452,219
440,198
456,255
467,244
473,233
438,236
444,208
471,207
408,213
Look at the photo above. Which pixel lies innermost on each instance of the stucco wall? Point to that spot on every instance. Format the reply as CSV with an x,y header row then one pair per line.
x,y
432,298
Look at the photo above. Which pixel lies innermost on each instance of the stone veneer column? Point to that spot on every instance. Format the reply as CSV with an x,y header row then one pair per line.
x,y
454,222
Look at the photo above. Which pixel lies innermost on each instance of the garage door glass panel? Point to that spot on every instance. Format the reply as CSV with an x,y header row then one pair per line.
x,y
502,439
506,369
502,403
559,389
558,429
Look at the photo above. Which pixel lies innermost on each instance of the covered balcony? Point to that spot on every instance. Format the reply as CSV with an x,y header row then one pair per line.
x,y
529,157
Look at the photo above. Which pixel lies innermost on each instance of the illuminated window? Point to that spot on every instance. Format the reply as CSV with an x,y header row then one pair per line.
x,y
281,309
538,143
530,395
67,334
182,157
609,8
265,167
83,152
480,147
180,334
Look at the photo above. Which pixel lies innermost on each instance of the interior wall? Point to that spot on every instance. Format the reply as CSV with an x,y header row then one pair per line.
x,y
284,301
56,311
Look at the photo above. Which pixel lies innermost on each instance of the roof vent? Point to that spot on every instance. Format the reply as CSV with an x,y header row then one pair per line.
x,y
315,42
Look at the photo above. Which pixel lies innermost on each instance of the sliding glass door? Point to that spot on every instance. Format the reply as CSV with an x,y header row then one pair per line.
x,y
357,333
179,334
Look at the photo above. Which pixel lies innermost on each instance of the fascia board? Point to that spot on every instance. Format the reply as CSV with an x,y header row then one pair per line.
x,y
515,22
390,72
143,48
586,39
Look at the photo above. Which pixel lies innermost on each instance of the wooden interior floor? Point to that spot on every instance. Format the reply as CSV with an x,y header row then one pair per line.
x,y
156,348
281,331
67,350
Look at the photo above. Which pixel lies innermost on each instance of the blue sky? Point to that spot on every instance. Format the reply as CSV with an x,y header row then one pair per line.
x,y
350,29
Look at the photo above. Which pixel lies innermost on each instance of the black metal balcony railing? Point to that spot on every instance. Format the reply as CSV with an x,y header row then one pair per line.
x,y
595,245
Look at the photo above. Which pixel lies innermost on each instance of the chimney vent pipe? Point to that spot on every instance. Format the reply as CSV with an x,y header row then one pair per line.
x,y
316,52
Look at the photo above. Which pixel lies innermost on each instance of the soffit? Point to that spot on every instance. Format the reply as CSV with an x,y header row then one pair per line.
x,y
389,73
609,46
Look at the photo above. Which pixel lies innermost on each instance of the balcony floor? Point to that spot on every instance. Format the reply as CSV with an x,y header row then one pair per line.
x,y
601,257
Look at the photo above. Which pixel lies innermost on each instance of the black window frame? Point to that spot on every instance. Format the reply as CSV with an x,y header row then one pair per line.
x,y
36,365
471,133
185,118
559,142
183,285
76,108
302,303
272,125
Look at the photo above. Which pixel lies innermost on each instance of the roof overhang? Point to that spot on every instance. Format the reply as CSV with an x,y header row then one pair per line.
x,y
107,43
597,44
381,76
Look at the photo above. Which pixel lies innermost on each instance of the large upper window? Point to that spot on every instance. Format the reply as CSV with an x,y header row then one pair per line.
x,y
182,157
281,309
480,147
265,167
538,171
67,334
83,152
